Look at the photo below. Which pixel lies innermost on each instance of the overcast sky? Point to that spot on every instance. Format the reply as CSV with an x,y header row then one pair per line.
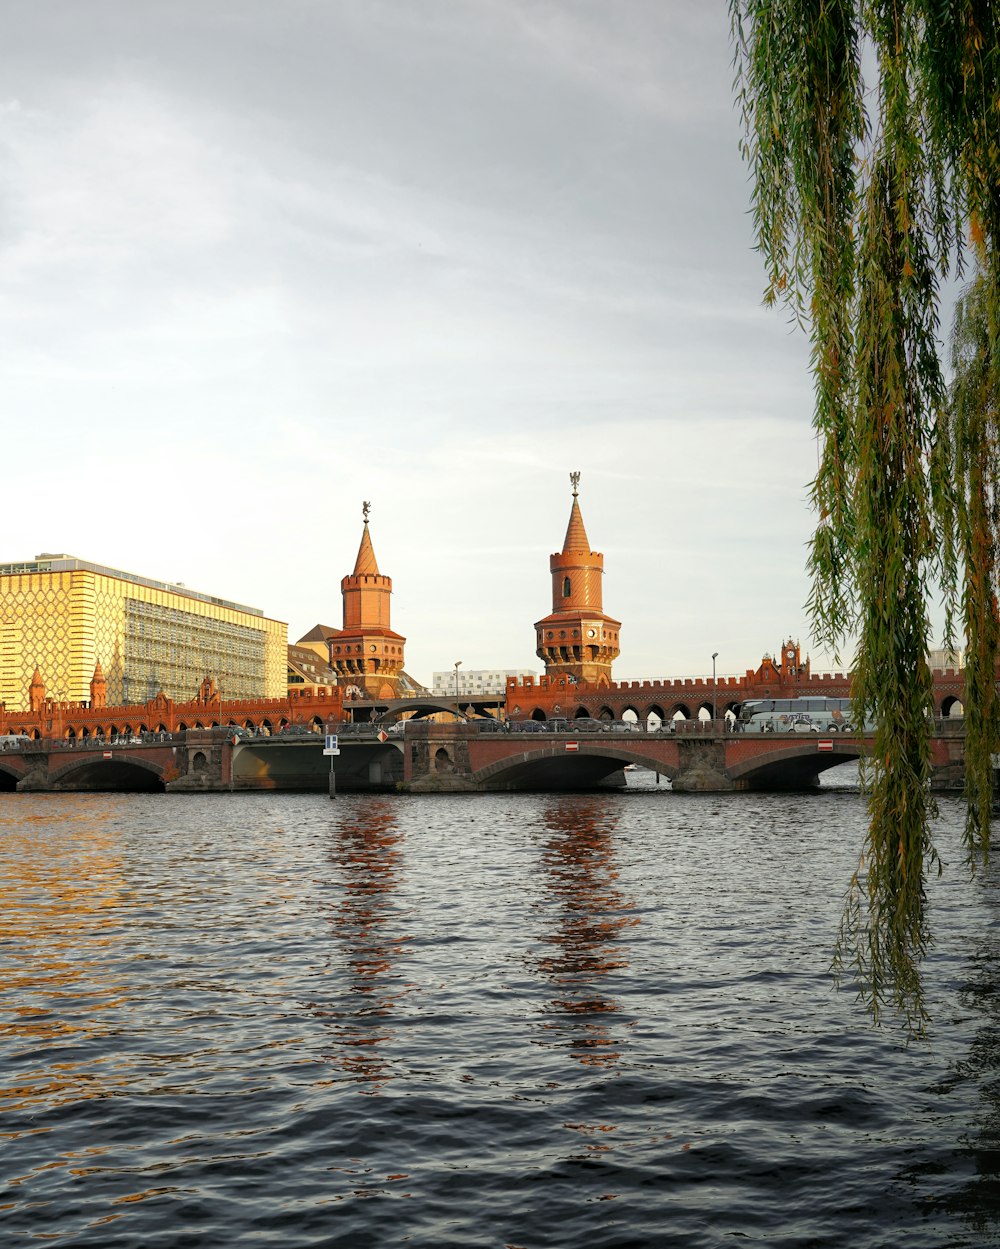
x,y
261,262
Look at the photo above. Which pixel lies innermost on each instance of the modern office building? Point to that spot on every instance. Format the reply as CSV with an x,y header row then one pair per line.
x,y
476,681
63,616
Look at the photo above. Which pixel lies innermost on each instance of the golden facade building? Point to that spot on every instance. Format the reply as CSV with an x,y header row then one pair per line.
x,y
65,617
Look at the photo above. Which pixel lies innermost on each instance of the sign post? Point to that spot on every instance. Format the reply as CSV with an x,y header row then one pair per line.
x,y
332,749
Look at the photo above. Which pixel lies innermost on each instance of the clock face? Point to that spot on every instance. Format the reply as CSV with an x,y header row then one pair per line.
x,y
591,633
372,647
790,653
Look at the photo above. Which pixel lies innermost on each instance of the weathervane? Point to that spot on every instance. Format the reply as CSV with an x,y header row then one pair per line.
x,y
365,509
575,479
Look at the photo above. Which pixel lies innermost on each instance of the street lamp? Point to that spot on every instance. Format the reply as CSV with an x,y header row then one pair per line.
x,y
458,664
715,656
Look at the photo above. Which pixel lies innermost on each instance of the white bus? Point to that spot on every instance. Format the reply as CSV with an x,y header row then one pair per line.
x,y
796,715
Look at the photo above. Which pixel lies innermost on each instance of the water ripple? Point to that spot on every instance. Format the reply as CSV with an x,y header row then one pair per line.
x,y
514,1020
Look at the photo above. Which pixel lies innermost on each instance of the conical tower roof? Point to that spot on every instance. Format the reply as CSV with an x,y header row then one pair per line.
x,y
366,563
576,535
98,671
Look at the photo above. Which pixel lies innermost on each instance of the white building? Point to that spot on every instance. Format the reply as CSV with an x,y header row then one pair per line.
x,y
473,682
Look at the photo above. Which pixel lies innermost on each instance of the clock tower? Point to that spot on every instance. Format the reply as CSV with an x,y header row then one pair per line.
x,y
792,664
577,639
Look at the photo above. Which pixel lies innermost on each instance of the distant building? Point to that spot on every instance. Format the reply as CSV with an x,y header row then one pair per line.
x,y
473,681
69,619
944,658
307,669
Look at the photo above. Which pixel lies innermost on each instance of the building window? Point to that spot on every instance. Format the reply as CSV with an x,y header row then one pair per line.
x,y
566,587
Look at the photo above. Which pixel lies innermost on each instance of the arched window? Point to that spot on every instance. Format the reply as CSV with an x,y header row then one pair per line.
x,y
566,587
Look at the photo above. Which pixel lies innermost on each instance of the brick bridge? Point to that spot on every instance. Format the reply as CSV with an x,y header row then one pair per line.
x,y
454,758
699,756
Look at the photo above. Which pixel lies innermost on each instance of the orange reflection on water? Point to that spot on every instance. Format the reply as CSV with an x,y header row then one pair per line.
x,y
368,858
61,890
588,914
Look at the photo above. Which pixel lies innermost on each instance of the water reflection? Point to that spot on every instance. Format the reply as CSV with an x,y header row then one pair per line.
x,y
62,888
368,859
586,914
978,1200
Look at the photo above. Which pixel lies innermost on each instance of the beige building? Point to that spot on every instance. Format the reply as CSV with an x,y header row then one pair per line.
x,y
63,615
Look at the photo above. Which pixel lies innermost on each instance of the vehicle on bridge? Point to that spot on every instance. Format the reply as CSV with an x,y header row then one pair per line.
x,y
796,715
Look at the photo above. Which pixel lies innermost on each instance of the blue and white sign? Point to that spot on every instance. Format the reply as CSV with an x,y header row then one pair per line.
x,y
331,745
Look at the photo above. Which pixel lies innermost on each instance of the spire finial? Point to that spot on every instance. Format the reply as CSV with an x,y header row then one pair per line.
x,y
365,509
575,479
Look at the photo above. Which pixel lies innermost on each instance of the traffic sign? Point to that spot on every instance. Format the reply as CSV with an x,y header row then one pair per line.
x,y
331,745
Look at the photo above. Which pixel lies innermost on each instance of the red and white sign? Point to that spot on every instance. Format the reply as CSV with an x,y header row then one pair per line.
x,y
824,745
383,736
572,745
107,754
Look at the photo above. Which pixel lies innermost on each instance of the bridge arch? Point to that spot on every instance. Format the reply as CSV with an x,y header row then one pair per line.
x,y
9,776
794,764
546,766
124,773
951,707
680,711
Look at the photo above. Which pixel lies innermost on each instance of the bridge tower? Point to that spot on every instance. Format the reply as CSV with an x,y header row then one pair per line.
x,y
577,639
98,687
366,652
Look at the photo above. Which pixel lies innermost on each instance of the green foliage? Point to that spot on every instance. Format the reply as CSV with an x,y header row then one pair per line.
x,y
857,217
973,440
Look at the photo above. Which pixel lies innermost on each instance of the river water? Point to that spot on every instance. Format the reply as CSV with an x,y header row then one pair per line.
x,y
500,1020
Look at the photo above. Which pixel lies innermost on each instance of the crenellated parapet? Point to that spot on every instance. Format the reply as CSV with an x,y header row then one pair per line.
x,y
49,718
784,677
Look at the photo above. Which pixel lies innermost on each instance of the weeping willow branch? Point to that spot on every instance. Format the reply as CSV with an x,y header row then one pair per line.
x,y
974,442
857,218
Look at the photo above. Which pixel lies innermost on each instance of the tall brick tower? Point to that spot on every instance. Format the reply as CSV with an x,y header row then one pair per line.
x,y
577,639
366,652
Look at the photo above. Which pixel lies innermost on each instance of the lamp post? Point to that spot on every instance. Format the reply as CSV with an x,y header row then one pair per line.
x,y
715,656
458,664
